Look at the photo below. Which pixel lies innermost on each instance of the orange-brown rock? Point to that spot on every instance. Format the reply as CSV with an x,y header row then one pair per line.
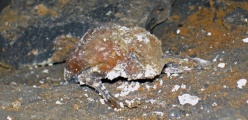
x,y
131,53
116,51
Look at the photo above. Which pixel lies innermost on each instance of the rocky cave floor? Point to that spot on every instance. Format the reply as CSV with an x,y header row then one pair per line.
x,y
214,31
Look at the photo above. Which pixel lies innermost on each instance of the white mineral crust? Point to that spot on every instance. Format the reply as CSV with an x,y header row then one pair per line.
x,y
241,83
187,98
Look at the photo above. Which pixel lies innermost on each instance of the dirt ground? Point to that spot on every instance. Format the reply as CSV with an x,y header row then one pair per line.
x,y
211,30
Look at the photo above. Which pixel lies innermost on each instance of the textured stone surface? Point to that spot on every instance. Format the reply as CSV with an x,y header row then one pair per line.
x,y
115,51
42,95
29,28
131,53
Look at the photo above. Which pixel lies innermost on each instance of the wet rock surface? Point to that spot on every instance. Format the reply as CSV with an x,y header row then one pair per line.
x,y
30,28
195,28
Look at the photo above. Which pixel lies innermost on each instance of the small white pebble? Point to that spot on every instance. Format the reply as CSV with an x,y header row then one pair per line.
x,y
9,118
117,95
45,71
214,104
161,82
159,91
183,86
109,13
221,65
209,34
155,87
58,102
174,105
187,98
178,31
90,99
121,104
116,109
245,40
241,83
175,88
41,81
102,101
104,39
215,59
